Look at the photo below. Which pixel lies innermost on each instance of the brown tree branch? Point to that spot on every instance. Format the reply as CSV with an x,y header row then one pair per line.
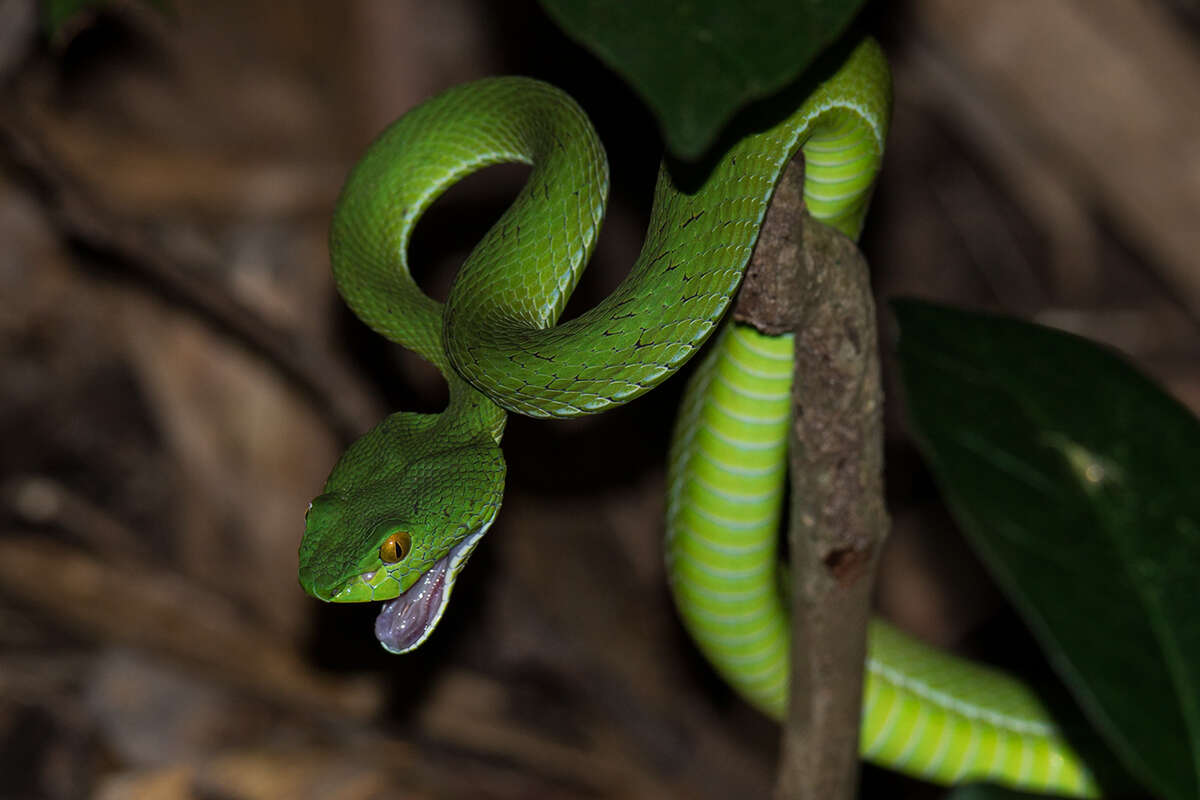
x,y
807,279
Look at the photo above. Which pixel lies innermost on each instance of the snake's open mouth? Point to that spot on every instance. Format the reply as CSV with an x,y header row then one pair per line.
x,y
404,623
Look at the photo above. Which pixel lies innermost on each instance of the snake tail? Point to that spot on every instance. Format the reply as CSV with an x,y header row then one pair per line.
x,y
925,713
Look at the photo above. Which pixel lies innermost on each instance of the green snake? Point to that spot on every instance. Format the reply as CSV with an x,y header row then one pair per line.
x,y
409,501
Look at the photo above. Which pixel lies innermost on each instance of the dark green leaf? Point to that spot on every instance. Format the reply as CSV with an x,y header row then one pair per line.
x,y
696,62
1075,478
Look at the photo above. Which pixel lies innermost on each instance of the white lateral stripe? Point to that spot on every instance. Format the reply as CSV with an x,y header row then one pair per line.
x,y
968,710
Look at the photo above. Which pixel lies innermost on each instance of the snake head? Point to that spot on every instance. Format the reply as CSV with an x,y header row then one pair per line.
x,y
400,532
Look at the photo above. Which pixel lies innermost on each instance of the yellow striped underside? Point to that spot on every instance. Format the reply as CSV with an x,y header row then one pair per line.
x,y
925,713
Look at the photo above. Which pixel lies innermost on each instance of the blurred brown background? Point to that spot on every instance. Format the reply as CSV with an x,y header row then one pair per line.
x,y
177,377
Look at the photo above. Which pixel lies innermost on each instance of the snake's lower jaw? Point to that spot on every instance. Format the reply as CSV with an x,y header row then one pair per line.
x,y
405,623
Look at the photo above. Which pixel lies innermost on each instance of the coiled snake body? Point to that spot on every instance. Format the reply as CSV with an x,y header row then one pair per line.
x,y
409,501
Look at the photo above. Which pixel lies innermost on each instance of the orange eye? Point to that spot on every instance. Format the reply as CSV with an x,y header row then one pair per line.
x,y
395,547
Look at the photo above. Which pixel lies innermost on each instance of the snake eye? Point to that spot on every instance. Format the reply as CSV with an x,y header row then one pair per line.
x,y
395,547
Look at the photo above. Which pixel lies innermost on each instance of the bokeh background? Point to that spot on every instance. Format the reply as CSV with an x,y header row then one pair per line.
x,y
177,377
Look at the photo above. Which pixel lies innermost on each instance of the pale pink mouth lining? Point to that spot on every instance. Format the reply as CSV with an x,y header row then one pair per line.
x,y
405,622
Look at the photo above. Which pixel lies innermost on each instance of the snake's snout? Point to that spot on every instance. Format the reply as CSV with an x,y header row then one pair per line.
x,y
314,580
320,573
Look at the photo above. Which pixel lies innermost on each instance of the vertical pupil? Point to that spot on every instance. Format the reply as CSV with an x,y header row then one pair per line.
x,y
395,547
